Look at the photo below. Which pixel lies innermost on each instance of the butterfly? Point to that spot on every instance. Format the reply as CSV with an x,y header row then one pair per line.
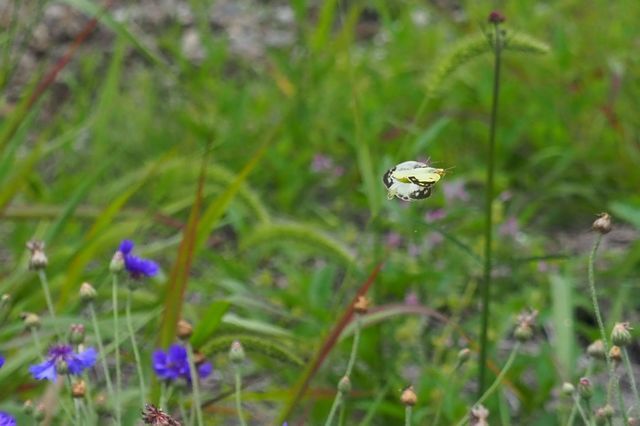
x,y
411,180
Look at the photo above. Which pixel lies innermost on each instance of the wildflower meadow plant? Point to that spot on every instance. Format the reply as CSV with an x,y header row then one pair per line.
x,y
7,419
62,359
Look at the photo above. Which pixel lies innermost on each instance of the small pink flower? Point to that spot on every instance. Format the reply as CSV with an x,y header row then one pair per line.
x,y
455,191
392,239
321,163
434,239
435,215
411,299
509,228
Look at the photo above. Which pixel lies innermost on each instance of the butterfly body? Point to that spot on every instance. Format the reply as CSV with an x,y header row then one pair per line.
x,y
411,180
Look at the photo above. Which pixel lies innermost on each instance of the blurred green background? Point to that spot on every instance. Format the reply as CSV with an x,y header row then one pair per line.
x,y
302,106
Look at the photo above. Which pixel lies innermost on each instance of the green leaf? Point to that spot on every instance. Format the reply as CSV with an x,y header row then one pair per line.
x,y
562,309
209,322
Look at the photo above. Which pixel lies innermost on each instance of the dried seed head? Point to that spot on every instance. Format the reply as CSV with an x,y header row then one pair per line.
x,y
568,389
38,259
479,416
621,336
602,224
344,385
151,415
585,390
236,353
409,396
361,305
596,350
525,323
184,330
615,354
78,389
31,321
496,17
87,292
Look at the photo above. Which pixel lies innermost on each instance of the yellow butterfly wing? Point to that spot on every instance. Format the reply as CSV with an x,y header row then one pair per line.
x,y
423,176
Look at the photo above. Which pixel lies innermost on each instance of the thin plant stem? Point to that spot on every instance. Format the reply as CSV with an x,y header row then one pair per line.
x,y
36,340
103,354
334,407
136,352
47,295
621,407
498,380
163,395
238,394
632,379
407,415
339,399
579,409
116,338
488,227
195,384
342,414
78,410
183,411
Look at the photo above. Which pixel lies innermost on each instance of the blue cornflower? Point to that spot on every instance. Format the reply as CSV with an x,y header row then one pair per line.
x,y
7,419
174,364
1,361
63,356
137,266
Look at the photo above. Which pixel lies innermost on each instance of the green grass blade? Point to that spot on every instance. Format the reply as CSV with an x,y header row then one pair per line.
x,y
208,323
562,310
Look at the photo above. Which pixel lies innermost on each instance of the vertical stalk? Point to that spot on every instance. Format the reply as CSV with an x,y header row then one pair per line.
x,y
488,227
47,295
116,341
103,354
136,352
196,384
238,379
632,379
407,415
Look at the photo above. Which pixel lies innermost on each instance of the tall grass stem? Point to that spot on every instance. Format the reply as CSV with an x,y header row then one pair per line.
x,y
632,379
407,415
488,227
136,352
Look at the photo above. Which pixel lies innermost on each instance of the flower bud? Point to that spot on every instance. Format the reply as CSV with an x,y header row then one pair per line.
x,y
102,405
602,224
39,413
596,350
633,421
4,301
78,389
479,416
409,396
31,321
236,353
76,334
27,407
344,385
463,357
523,333
38,259
496,17
604,414
117,263
568,389
361,306
87,292
615,354
585,390
184,330
620,336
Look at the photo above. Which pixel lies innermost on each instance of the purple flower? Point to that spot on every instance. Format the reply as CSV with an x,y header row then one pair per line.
x,y
435,215
137,266
455,190
1,361
174,364
509,228
321,163
7,419
392,239
63,355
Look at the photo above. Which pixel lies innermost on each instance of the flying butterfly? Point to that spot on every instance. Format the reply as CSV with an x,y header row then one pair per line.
x,y
411,180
